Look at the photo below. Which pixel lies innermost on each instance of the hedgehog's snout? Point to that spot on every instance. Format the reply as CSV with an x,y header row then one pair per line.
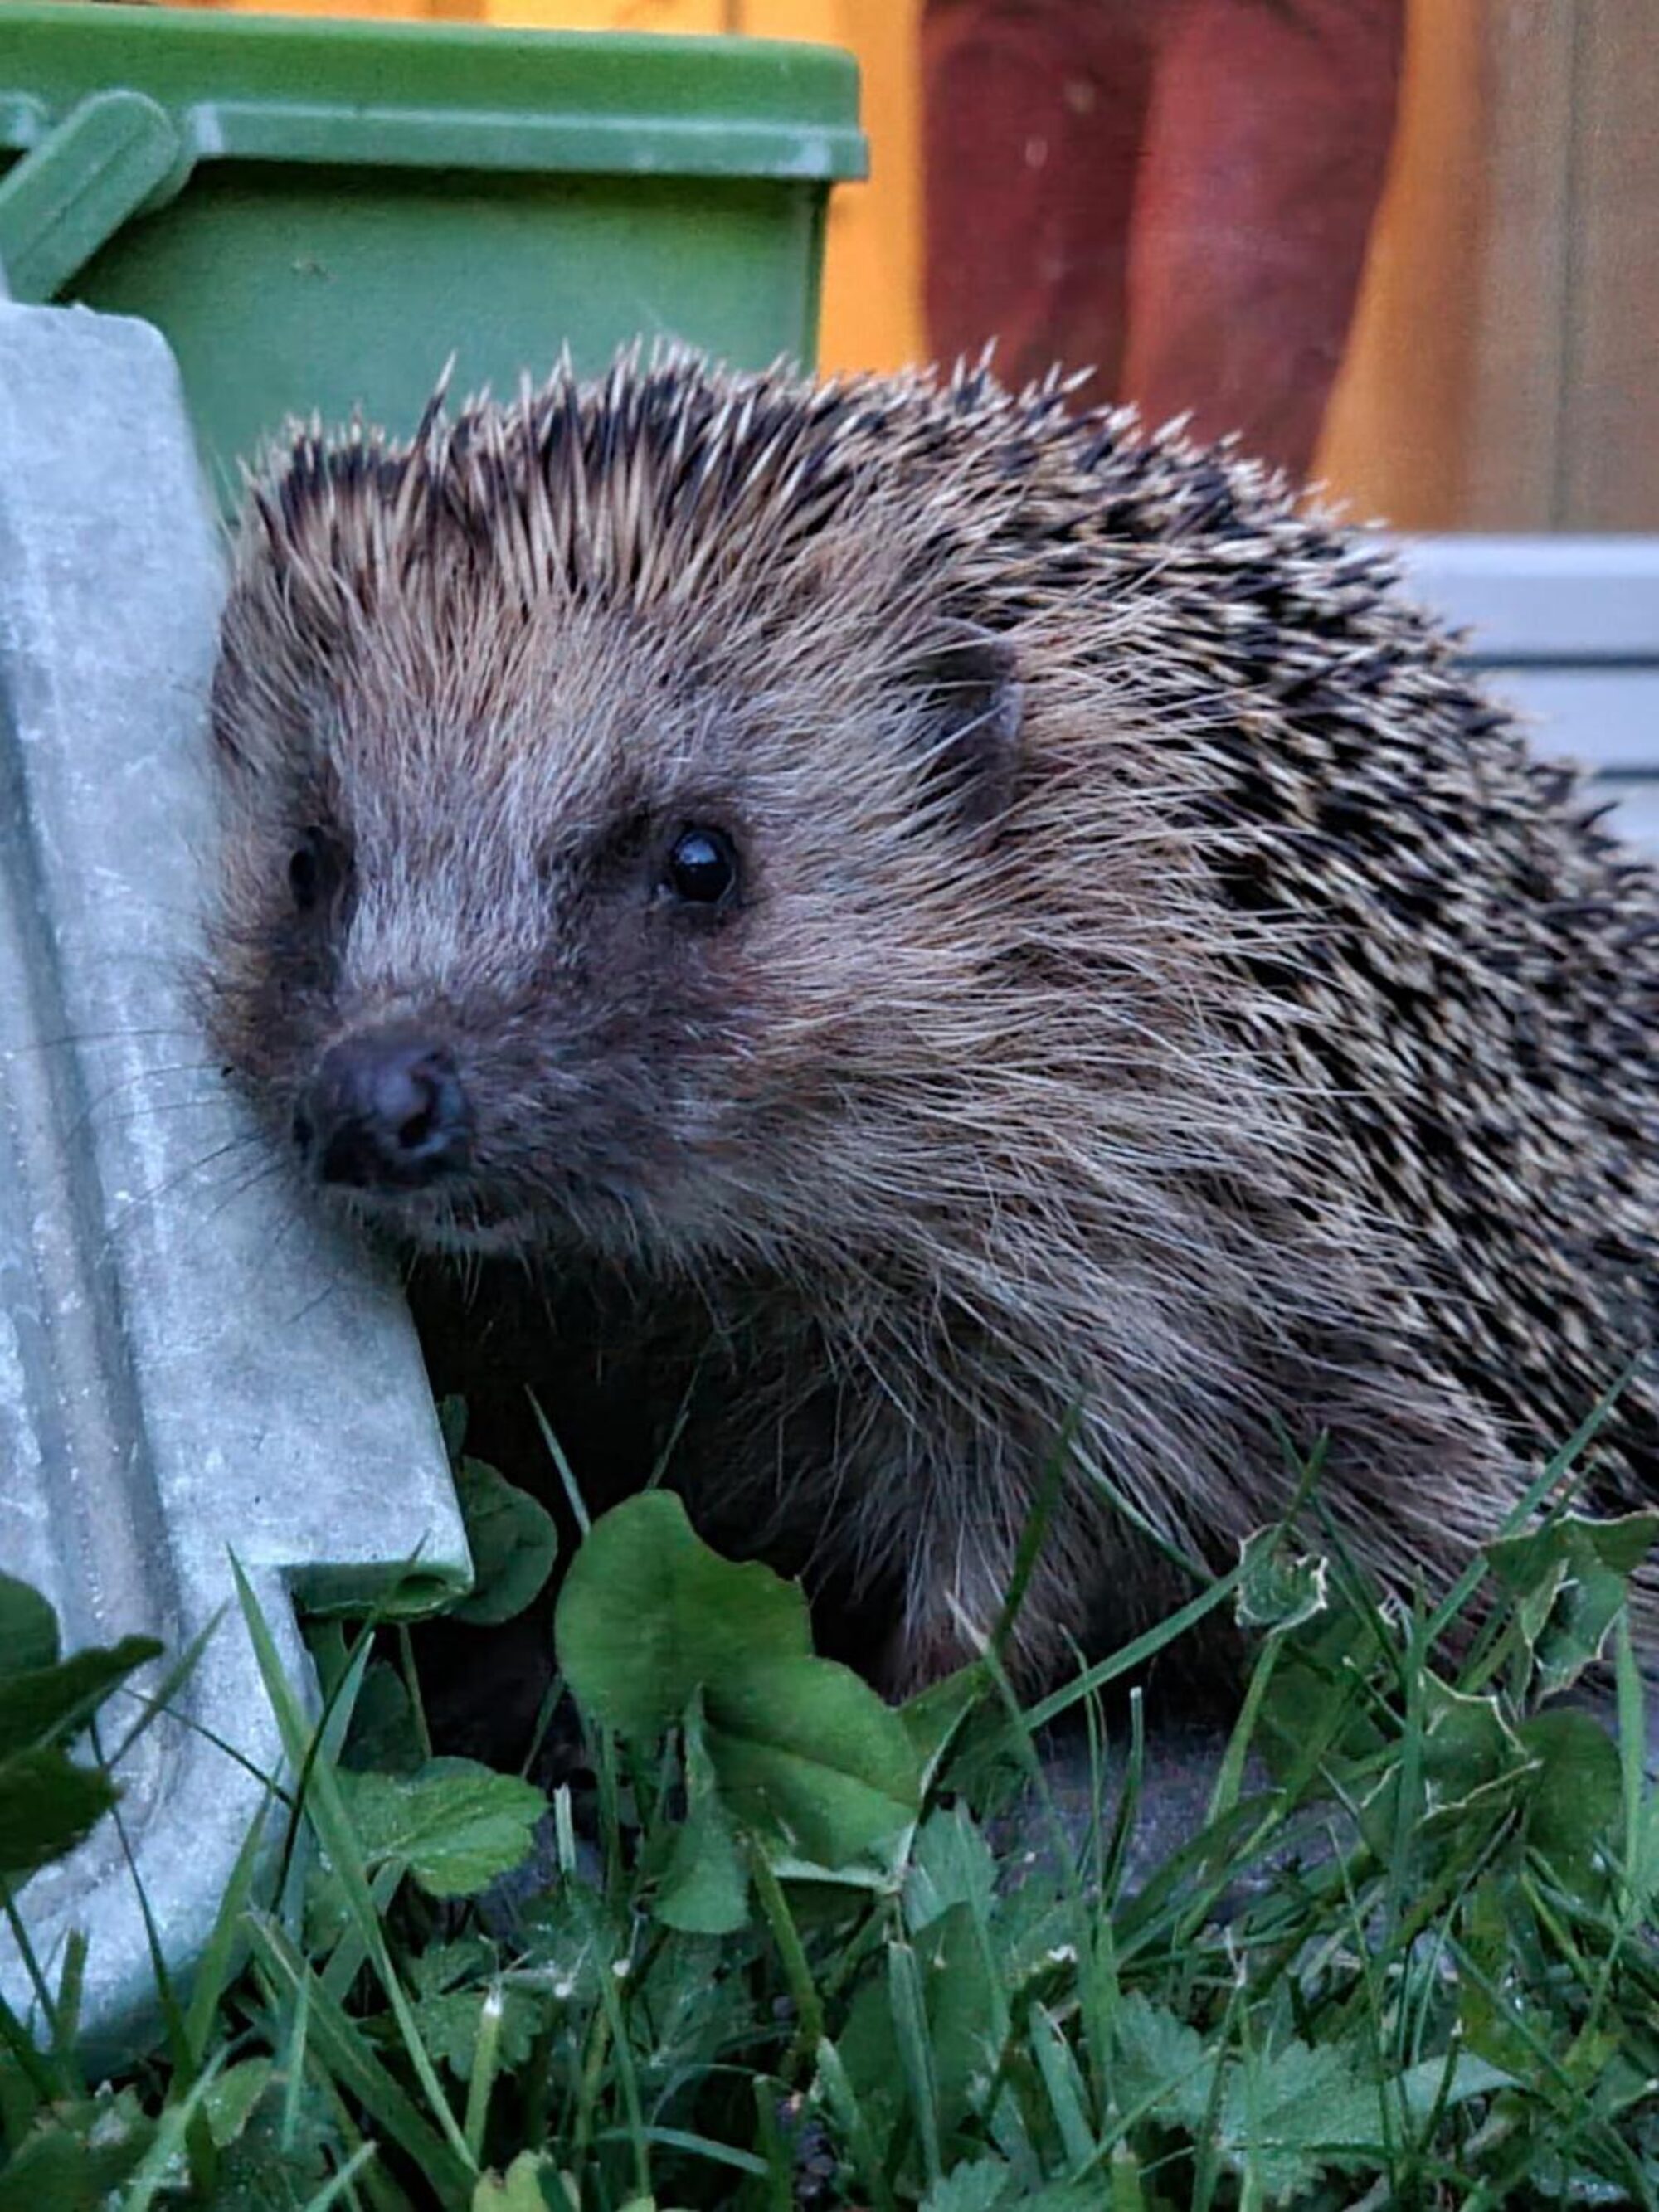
x,y
386,1111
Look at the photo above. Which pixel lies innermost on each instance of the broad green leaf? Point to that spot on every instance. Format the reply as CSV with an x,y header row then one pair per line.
x,y
280,2163
1574,1801
1280,1588
47,1804
231,2099
879,2053
512,1541
648,1614
454,1824
442,1966
933,1718
1312,1698
570,1942
979,2186
1162,2063
1471,1766
960,2013
1285,2118
1524,1563
806,1750
705,1888
383,1738
40,1703
449,2026
76,2162
1569,1580
1608,2075
1469,1748
531,2184
1281,2119
29,1629
1425,2086
1497,2019
952,1864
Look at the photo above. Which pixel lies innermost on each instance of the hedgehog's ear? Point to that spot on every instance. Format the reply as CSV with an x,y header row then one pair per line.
x,y
972,700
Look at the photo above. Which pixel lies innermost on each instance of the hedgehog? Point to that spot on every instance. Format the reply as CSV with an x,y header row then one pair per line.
x,y
954,962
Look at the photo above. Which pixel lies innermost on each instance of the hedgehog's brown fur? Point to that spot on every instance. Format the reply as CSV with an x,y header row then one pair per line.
x,y
1166,994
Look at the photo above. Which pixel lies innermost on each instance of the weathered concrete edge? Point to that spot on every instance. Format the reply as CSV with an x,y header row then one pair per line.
x,y
281,1400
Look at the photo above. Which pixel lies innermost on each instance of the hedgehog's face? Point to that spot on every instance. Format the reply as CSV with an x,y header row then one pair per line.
x,y
562,939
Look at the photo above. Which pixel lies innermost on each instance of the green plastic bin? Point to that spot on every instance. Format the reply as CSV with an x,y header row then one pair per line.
x,y
318,214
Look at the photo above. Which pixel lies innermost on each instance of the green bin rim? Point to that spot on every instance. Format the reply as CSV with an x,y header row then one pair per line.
x,y
372,93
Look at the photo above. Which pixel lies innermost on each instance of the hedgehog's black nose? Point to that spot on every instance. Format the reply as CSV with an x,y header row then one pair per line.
x,y
386,1111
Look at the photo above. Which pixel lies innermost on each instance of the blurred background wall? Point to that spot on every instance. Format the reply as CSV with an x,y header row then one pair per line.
x,y
1503,369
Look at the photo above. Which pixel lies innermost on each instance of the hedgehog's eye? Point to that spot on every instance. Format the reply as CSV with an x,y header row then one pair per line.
x,y
313,869
703,868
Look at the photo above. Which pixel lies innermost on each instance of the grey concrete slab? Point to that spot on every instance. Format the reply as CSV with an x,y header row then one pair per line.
x,y
188,1365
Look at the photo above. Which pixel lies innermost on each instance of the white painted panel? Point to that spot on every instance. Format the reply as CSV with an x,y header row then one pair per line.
x,y
1606,718
1542,598
1638,814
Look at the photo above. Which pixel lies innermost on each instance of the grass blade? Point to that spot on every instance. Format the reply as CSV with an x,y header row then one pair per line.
x,y
910,2014
325,1808
1067,2097
853,2121
357,2066
331,2192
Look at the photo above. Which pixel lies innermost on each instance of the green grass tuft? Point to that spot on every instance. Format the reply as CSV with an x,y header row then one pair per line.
x,y
771,1946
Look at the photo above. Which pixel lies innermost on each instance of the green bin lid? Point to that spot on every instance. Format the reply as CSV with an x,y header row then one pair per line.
x,y
288,88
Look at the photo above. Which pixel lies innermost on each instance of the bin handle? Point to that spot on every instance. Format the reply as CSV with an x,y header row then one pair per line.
x,y
114,153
